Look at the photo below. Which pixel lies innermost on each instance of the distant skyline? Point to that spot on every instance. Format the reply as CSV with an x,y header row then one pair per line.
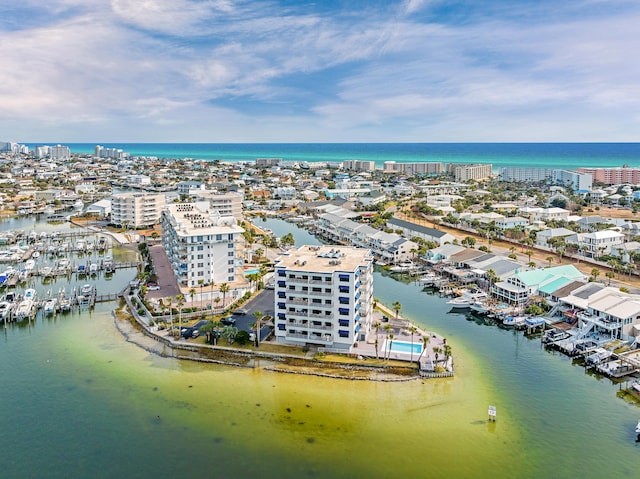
x,y
219,71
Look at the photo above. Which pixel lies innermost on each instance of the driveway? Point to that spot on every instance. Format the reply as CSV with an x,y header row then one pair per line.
x,y
262,302
166,280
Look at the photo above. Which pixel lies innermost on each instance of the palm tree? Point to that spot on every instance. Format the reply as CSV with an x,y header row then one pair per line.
x,y
192,294
531,264
595,272
436,351
170,305
425,341
549,259
224,289
377,326
180,300
397,306
212,285
258,315
201,284
391,337
413,330
610,275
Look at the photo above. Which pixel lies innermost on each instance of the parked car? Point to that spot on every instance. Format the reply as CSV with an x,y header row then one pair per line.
x,y
228,321
153,287
241,311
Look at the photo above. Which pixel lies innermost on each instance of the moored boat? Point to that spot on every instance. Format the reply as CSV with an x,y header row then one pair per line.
x,y
50,306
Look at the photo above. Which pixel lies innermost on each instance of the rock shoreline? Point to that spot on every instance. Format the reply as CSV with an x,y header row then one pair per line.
x,y
138,334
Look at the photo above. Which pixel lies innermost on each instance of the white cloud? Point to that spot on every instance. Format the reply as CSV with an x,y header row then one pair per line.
x,y
153,63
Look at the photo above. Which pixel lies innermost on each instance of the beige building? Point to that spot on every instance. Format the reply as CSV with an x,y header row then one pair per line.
x,y
471,172
227,204
137,210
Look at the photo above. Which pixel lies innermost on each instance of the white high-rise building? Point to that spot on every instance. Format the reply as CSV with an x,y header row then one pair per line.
x,y
201,245
137,210
323,296
59,152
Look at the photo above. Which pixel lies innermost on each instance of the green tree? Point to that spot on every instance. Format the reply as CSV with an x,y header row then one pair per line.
x,y
224,289
258,315
397,306
201,284
412,330
376,326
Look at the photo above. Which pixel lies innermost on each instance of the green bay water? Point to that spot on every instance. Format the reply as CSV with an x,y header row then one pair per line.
x,y
80,401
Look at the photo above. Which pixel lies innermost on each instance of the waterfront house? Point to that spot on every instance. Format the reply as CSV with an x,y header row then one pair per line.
x,y
604,310
518,287
411,230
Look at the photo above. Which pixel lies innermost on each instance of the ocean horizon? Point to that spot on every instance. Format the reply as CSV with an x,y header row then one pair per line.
x,y
541,155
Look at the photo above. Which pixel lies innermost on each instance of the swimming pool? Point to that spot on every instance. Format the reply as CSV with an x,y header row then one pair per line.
x,y
251,271
403,347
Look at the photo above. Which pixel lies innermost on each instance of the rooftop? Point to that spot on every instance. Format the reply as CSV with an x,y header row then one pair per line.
x,y
325,258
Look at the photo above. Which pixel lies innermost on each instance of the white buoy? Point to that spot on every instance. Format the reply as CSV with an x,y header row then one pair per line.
x,y
492,413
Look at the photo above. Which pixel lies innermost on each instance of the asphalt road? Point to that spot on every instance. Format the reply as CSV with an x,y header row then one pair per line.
x,y
262,302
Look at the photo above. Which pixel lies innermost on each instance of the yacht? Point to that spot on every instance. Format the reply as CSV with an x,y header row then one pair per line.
x,y
29,265
403,267
93,268
5,309
514,321
467,298
25,307
50,306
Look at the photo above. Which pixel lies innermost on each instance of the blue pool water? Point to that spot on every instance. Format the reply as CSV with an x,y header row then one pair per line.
x,y
403,347
251,271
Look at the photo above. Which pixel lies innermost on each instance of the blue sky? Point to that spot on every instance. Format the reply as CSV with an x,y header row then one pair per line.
x,y
329,71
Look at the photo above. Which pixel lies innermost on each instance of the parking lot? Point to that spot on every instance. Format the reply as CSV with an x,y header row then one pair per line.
x,y
262,302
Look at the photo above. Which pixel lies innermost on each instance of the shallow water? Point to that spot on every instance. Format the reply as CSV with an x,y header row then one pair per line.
x,y
80,401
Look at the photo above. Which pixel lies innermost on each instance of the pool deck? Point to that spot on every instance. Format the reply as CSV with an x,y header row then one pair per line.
x,y
400,329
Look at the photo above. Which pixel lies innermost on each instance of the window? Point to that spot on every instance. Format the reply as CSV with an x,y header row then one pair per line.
x,y
229,245
230,270
230,253
200,265
200,256
230,236
230,261
218,237
200,247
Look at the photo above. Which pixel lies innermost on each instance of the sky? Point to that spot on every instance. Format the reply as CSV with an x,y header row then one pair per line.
x,y
217,71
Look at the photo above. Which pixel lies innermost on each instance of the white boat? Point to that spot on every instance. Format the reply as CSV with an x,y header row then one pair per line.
x,y
93,268
35,255
598,355
50,306
29,265
534,322
468,298
514,321
46,271
5,309
429,279
403,267
78,204
25,308
31,294
480,307
638,428
87,289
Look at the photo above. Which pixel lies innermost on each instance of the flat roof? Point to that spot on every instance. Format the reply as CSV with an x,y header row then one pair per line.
x,y
326,258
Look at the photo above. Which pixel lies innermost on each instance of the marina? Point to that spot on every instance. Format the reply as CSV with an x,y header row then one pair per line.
x,y
117,385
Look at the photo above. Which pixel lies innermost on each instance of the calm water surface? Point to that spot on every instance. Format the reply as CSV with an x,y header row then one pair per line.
x,y
79,401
